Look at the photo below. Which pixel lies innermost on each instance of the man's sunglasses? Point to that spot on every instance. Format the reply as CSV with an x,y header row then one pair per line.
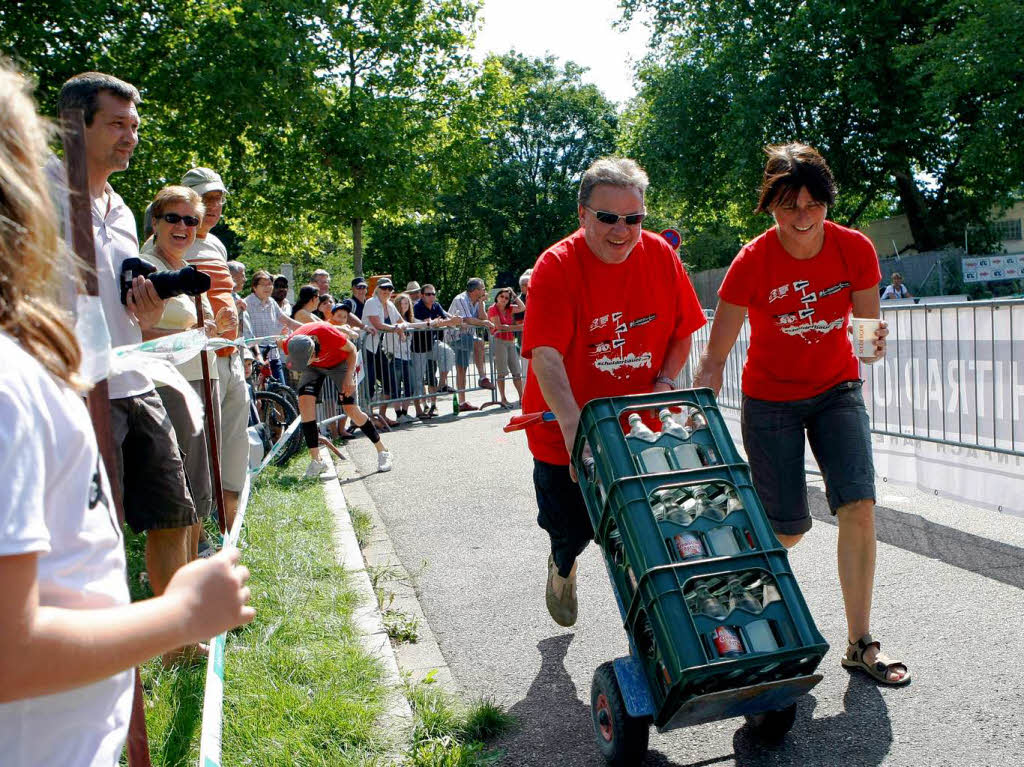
x,y
613,218
430,294
174,218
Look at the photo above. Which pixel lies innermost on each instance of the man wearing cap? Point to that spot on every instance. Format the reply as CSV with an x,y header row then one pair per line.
x,y
359,288
412,289
208,255
319,350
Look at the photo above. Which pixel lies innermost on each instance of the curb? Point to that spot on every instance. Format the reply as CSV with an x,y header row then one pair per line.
x,y
420,660
367,617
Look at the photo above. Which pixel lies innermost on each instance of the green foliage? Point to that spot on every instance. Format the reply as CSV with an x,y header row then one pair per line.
x,y
915,102
539,127
448,735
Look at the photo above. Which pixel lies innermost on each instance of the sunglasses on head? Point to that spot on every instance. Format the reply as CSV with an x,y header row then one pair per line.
x,y
174,218
613,218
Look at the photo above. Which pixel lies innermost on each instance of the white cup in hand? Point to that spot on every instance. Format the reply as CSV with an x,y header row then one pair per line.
x,y
863,335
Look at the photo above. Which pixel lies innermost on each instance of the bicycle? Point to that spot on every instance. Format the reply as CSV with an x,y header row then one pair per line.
x,y
275,406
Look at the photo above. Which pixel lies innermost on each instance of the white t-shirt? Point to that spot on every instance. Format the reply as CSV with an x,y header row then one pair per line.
x,y
115,239
374,308
891,291
56,503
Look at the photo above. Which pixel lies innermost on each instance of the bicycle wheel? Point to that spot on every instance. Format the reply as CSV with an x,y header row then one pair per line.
x,y
296,443
275,413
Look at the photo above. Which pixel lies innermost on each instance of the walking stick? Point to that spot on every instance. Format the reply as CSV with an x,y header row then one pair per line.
x,y
98,400
211,430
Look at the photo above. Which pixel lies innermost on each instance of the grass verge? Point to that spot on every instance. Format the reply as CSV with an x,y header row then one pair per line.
x,y
447,734
300,690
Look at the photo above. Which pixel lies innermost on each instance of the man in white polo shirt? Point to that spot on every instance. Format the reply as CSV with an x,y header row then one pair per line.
x,y
156,497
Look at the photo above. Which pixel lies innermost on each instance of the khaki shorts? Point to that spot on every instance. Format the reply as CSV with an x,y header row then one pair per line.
x,y
234,418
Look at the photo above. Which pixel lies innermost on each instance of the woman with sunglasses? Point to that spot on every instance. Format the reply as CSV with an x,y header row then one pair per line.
x,y
380,314
305,303
177,212
506,355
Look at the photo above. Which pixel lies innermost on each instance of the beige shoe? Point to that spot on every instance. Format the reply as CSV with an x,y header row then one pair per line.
x,y
562,608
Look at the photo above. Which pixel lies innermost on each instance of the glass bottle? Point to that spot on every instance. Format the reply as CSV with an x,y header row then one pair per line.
x,y
638,429
670,426
740,598
708,604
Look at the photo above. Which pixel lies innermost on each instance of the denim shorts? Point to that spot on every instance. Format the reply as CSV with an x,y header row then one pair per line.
x,y
837,428
464,350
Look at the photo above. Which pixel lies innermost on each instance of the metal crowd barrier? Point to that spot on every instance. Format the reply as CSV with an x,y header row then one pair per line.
x,y
386,382
952,374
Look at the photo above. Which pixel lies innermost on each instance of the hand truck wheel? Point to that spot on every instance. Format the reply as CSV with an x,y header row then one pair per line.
x,y
772,725
622,739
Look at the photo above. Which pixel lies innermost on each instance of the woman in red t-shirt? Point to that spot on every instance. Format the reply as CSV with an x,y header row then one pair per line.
x,y
798,282
503,344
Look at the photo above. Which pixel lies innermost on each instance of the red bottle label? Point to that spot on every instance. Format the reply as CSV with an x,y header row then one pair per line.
x,y
727,641
689,546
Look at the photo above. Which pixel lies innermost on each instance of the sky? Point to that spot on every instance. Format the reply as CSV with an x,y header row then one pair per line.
x,y
571,30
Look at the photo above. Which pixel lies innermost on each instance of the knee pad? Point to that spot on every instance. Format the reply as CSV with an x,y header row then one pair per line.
x,y
370,431
310,433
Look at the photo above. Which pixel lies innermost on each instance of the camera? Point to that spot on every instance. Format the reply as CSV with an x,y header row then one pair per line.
x,y
168,283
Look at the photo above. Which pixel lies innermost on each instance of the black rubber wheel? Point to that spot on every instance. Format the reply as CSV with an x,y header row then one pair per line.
x,y
622,739
276,413
772,726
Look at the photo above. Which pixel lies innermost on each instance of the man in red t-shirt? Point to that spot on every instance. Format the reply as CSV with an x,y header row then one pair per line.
x,y
319,350
611,312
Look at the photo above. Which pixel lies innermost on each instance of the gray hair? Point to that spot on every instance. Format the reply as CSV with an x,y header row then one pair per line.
x,y
82,92
236,267
321,273
474,283
613,171
525,276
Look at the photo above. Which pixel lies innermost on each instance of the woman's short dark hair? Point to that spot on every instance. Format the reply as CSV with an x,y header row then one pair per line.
x,y
791,167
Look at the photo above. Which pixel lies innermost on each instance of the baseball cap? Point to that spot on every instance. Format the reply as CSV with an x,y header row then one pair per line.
x,y
346,305
203,180
384,282
359,282
412,287
300,351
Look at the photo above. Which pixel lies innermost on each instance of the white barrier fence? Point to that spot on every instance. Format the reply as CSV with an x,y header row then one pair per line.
x,y
946,404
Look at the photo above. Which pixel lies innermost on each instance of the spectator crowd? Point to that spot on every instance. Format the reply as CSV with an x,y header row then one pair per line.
x,y
70,633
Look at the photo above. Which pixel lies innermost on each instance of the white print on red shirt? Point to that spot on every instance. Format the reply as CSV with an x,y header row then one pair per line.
x,y
810,331
614,359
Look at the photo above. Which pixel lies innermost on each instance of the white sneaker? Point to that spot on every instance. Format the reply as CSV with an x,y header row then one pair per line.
x,y
406,418
384,461
324,470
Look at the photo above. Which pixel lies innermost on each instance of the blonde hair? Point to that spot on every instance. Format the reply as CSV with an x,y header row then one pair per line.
x,y
175,193
30,252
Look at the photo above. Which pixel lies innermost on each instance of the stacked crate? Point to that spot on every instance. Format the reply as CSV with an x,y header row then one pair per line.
x,y
666,563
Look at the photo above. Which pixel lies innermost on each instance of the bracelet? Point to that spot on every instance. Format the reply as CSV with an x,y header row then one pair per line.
x,y
664,380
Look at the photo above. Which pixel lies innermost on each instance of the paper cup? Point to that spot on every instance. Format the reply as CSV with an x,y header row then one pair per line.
x,y
863,336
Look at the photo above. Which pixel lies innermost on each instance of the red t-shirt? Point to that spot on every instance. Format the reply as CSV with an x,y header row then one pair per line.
x,y
799,311
612,324
332,343
500,319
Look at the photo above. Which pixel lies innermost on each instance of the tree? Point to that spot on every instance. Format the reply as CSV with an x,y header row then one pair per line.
x,y
517,196
915,102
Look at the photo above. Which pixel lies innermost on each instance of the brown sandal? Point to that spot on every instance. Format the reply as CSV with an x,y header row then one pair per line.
x,y
880,669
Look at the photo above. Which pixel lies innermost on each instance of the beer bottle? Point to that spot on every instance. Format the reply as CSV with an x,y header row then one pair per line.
x,y
638,429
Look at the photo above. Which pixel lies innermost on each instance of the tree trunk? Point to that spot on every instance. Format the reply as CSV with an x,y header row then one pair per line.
x,y
357,246
916,209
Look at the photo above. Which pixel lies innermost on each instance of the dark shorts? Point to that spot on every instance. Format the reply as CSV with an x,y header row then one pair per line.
x,y
837,428
562,512
156,494
312,379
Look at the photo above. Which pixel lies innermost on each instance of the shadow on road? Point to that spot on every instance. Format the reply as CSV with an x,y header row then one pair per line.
x,y
555,727
910,532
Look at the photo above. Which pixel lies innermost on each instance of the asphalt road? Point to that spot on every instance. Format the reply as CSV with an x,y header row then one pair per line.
x,y
949,600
